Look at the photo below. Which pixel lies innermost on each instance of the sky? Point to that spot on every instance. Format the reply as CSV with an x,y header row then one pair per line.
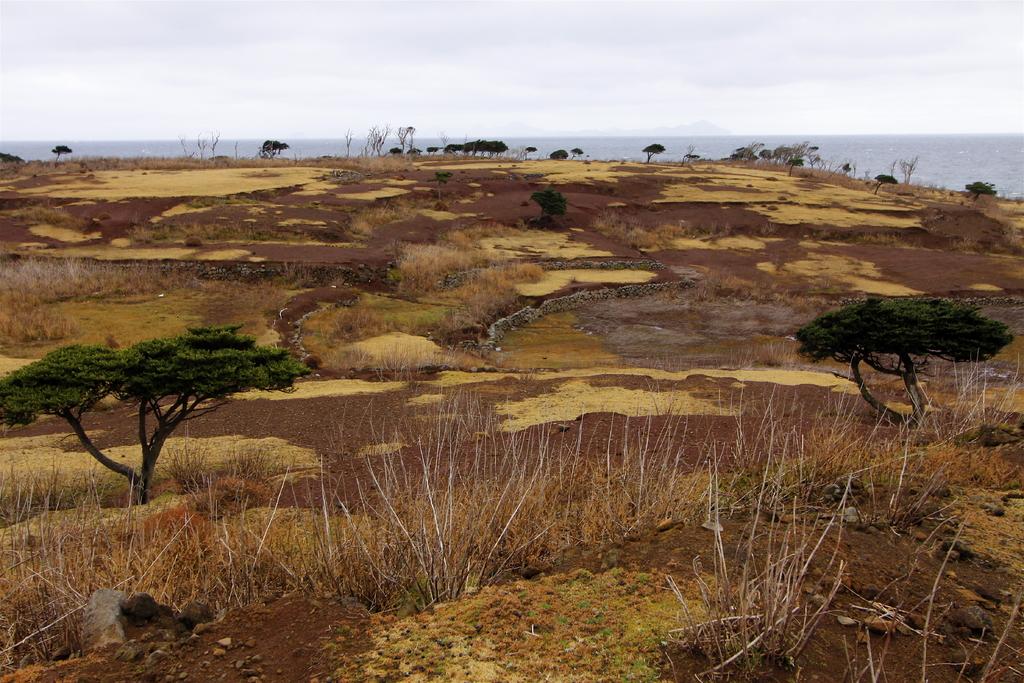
x,y
158,70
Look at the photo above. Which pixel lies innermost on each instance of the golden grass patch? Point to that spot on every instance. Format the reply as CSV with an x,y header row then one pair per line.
x,y
325,388
113,253
371,195
9,365
553,341
383,448
579,626
557,172
179,210
120,242
575,398
734,243
554,280
290,222
444,215
985,287
425,400
62,234
413,350
224,255
60,453
530,243
792,214
216,182
856,274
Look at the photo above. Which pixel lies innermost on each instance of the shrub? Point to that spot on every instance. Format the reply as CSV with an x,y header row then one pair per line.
x,y
978,188
559,154
551,202
651,150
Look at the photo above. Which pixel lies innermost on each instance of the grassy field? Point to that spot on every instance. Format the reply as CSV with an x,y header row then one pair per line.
x,y
502,468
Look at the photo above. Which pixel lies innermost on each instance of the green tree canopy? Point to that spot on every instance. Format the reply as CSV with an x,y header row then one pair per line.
x,y
899,337
884,179
168,381
60,150
793,163
651,150
576,152
559,154
551,202
441,178
978,188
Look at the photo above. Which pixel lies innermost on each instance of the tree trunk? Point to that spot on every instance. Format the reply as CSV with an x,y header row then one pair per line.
x,y
883,410
917,397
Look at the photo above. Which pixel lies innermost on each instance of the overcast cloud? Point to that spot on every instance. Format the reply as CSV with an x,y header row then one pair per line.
x,y
138,70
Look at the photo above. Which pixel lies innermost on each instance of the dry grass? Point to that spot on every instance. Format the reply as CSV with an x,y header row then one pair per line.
x,y
630,231
29,288
423,267
450,520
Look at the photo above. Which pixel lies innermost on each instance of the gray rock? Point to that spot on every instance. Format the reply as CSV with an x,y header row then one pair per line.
x,y
129,652
712,525
974,618
845,621
851,516
195,613
102,622
140,607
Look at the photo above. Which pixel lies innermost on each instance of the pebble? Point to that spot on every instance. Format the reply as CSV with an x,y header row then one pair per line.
x,y
224,642
845,620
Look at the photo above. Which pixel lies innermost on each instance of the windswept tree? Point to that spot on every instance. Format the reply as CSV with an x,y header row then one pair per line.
x,y
60,150
794,163
884,179
271,149
576,152
441,178
167,381
652,150
559,154
395,150
978,188
433,150
529,150
899,337
551,202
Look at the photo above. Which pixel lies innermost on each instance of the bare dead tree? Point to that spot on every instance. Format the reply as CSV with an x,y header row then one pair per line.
x,y
348,142
443,137
892,168
403,134
376,138
691,150
201,144
184,147
214,139
412,136
236,149
907,168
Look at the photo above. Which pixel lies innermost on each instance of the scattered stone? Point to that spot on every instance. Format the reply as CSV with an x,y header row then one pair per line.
x,y
102,622
195,613
851,516
845,620
62,653
712,525
530,571
203,628
665,524
155,657
225,642
959,548
129,652
993,509
218,652
879,625
974,618
140,607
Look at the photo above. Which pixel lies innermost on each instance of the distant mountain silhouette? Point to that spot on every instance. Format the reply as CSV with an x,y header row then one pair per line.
x,y
696,128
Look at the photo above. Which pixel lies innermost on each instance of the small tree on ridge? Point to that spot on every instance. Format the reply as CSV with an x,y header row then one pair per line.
x,y
60,150
651,150
899,337
551,202
168,381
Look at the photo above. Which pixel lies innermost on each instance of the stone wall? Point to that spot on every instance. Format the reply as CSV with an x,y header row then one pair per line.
x,y
523,316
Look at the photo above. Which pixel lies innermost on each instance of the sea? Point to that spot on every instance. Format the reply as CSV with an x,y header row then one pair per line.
x,y
946,161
